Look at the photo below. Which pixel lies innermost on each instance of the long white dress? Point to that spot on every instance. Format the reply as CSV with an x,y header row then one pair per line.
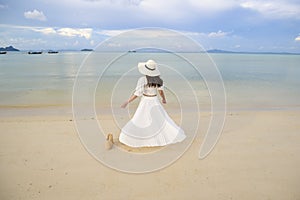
x,y
151,125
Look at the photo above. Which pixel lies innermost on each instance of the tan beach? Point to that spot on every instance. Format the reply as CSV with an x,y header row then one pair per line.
x,y
256,157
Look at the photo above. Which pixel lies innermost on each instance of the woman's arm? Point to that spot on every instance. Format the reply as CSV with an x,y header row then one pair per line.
x,y
133,97
162,94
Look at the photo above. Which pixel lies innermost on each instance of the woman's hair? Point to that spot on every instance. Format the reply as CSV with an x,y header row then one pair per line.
x,y
154,81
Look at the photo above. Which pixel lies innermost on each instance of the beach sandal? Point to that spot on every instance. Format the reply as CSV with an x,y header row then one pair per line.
x,y
109,141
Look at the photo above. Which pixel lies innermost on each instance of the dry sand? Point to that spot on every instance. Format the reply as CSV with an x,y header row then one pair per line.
x,y
257,157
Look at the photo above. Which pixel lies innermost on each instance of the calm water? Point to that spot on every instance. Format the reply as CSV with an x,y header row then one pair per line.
x,y
251,81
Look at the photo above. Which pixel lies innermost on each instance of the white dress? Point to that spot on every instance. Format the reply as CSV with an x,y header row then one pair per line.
x,y
151,125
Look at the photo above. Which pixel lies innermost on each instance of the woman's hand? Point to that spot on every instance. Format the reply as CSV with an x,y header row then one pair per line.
x,y
162,94
124,104
133,97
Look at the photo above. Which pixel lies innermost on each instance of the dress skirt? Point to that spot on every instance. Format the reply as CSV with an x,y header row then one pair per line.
x,y
151,126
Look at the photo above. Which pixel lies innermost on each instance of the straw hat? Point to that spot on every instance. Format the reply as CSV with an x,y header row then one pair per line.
x,y
148,68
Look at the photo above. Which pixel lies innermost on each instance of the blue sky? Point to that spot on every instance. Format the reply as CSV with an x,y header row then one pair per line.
x,y
237,25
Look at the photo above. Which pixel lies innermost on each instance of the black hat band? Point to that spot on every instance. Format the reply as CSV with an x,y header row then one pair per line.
x,y
149,68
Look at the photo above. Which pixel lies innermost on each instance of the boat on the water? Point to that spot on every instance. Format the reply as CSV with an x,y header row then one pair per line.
x,y
52,52
35,52
3,52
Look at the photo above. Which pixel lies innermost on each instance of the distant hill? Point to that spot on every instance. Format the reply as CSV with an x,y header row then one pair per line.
x,y
154,50
87,50
10,48
246,52
219,51
148,50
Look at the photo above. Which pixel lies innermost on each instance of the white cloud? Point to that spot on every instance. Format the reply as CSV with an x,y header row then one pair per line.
x,y
218,34
168,9
125,2
212,5
45,31
276,9
138,33
35,14
165,10
71,32
67,32
178,8
110,33
297,38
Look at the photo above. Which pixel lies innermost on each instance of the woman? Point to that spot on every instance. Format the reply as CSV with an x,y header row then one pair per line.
x,y
151,125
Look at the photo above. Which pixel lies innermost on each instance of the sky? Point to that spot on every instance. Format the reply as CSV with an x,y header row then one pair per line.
x,y
234,25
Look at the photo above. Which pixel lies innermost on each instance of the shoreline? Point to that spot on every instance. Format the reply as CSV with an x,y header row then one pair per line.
x,y
66,109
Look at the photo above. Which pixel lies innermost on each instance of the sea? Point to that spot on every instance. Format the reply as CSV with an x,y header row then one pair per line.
x,y
240,81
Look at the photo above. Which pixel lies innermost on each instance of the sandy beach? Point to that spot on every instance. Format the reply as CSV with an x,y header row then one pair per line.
x,y
257,157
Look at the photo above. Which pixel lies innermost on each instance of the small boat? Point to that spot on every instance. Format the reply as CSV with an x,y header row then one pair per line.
x,y
52,52
35,52
3,52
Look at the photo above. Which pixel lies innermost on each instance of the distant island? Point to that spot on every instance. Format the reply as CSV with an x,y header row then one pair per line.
x,y
154,50
148,50
219,51
10,48
247,52
87,50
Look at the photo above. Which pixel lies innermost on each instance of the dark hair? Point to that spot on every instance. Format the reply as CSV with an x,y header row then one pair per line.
x,y
154,81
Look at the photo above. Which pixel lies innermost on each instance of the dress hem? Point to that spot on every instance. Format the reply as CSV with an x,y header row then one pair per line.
x,y
157,141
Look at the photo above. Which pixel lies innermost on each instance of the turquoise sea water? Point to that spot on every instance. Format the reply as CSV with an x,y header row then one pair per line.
x,y
252,81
